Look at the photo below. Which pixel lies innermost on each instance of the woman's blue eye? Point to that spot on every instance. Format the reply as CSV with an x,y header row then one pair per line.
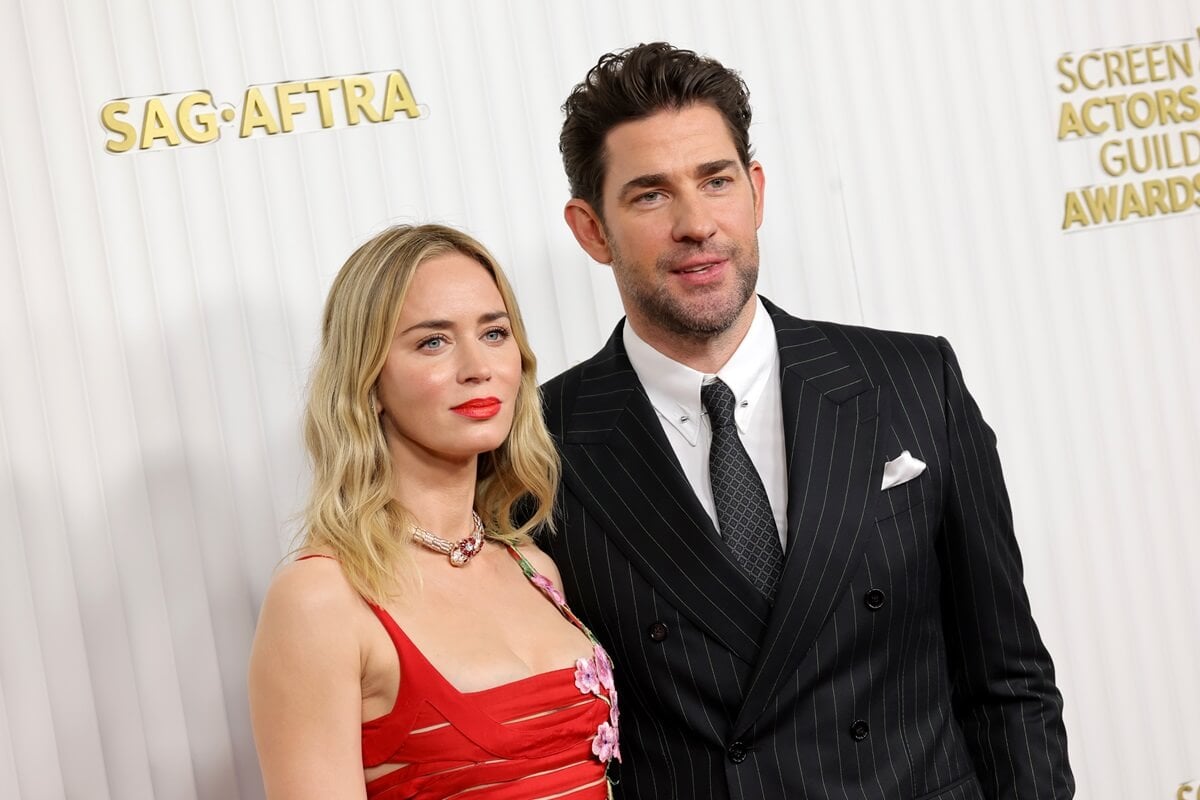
x,y
432,343
496,334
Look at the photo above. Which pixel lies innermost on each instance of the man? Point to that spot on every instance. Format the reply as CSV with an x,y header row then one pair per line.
x,y
793,536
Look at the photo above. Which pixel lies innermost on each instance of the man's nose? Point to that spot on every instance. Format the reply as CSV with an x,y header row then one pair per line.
x,y
693,219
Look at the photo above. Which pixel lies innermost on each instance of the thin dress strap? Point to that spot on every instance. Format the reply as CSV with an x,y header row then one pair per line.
x,y
551,591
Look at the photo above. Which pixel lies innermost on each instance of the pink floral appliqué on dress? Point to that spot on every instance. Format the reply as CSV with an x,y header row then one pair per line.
x,y
547,586
593,675
585,676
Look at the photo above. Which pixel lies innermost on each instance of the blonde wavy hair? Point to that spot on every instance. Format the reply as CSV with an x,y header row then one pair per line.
x,y
351,511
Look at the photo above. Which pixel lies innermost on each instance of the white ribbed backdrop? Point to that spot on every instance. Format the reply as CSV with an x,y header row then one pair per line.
x,y
158,314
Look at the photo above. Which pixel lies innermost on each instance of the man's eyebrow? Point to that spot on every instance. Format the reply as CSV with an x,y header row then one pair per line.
x,y
713,167
650,180
439,324
644,182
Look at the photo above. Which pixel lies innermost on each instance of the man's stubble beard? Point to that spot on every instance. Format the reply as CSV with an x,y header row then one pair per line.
x,y
696,323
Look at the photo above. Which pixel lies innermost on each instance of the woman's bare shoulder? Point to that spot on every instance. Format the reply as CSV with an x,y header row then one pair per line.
x,y
541,562
314,589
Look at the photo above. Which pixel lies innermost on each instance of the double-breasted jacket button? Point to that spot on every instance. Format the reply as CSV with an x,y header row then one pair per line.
x,y
874,599
859,730
737,751
657,631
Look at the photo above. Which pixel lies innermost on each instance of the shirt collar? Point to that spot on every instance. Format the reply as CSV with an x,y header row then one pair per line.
x,y
674,388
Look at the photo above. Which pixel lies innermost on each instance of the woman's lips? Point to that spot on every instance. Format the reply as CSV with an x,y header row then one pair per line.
x,y
482,408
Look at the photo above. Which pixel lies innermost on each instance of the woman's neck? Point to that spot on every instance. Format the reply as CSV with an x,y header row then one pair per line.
x,y
440,494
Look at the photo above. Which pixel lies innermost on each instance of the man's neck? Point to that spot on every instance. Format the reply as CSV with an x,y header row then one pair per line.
x,y
704,354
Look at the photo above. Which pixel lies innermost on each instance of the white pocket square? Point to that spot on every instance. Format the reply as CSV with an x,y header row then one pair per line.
x,y
901,469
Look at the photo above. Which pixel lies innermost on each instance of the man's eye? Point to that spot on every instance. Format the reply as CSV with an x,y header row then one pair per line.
x,y
719,183
648,197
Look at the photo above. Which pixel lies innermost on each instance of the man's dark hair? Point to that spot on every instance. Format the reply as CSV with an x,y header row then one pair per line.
x,y
633,84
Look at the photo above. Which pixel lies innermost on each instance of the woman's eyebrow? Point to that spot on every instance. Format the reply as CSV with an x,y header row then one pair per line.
x,y
439,324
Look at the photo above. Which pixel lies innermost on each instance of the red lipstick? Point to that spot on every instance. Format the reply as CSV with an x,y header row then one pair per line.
x,y
479,408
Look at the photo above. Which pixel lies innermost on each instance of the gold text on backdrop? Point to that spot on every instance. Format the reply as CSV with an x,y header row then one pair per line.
x,y
1155,144
185,119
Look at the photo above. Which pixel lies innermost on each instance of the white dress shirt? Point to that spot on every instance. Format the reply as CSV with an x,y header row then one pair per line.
x,y
752,373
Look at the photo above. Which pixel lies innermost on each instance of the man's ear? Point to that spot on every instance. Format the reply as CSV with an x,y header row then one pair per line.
x,y
758,182
585,223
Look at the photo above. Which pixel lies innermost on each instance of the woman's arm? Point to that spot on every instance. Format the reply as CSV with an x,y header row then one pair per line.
x,y
306,685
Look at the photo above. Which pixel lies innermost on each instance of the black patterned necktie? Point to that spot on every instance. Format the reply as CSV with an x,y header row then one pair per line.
x,y
743,510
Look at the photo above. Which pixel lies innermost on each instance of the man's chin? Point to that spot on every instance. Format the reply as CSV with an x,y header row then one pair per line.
x,y
698,322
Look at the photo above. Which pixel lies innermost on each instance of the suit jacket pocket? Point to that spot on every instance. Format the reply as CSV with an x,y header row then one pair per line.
x,y
889,507
903,496
965,788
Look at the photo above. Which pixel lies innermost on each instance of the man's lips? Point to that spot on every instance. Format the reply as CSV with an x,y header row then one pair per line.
x,y
700,271
697,264
479,408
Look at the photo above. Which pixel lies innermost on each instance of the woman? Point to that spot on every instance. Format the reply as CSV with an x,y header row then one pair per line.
x,y
418,647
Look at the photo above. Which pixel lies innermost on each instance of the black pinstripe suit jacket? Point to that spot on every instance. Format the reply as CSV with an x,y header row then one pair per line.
x,y
899,660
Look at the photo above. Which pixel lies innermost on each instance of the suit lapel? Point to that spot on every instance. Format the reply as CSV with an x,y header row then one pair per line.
x,y
619,463
831,418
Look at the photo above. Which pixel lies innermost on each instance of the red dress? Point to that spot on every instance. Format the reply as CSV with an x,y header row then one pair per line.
x,y
548,735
